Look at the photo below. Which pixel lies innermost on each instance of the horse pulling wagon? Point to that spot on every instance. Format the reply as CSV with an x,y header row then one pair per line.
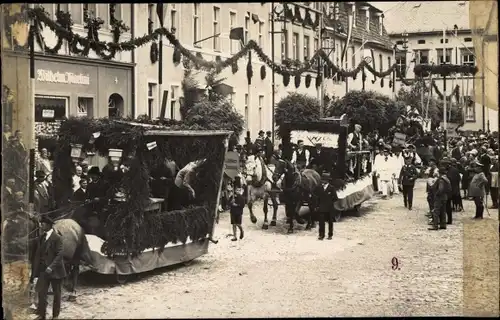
x,y
348,171
161,189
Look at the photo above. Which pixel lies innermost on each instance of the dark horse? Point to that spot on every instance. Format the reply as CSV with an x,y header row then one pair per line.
x,y
23,228
298,188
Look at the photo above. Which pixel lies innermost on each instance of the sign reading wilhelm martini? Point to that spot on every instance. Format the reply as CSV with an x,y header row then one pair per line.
x,y
62,77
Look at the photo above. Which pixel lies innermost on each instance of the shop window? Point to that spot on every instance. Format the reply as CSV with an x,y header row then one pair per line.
x,y
115,106
49,108
84,107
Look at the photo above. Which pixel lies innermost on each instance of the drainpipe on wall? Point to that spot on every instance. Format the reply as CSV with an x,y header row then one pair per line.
x,y
134,68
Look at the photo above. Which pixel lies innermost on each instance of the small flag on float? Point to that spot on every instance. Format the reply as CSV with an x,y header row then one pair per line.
x,y
96,135
151,145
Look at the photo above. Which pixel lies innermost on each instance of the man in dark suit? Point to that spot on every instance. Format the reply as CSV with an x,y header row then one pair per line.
x,y
318,158
457,152
80,195
269,147
48,268
327,195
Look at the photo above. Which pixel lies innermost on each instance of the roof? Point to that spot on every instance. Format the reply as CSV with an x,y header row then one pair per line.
x,y
414,17
360,31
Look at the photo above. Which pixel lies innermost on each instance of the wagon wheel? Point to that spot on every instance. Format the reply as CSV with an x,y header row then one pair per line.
x,y
121,279
337,215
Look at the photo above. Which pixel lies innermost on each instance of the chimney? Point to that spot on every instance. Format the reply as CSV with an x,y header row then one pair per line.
x,y
367,12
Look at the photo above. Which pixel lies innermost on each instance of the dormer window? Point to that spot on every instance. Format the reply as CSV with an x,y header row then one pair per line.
x,y
380,22
366,9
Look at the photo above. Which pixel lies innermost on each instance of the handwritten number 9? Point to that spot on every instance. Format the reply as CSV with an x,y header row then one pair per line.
x,y
395,263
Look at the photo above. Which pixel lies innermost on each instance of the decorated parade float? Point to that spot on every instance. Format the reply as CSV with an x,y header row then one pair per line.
x,y
145,221
348,170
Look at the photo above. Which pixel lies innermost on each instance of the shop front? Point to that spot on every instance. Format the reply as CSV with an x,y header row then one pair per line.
x,y
77,89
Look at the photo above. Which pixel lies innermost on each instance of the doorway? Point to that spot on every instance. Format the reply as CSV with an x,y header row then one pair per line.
x,y
115,106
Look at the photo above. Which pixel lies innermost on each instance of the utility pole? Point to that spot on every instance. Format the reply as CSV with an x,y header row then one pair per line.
x,y
273,85
444,94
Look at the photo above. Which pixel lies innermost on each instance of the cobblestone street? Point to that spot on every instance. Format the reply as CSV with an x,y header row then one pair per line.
x,y
272,274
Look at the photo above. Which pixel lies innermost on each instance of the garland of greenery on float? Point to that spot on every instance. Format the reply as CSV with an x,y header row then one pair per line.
x,y
62,27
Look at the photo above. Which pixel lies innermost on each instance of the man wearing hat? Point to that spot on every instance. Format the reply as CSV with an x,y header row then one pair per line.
x,y
327,195
269,147
407,178
477,188
383,167
260,141
301,156
42,194
48,268
318,158
97,190
442,192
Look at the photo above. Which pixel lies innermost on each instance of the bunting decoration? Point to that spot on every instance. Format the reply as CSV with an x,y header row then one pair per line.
x,y
81,45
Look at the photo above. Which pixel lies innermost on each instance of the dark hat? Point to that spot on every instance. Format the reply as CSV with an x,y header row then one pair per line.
x,y
40,174
46,219
237,182
94,171
261,132
269,132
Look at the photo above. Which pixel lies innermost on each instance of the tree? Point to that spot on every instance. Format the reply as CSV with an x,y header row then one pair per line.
x,y
370,109
209,107
296,107
412,96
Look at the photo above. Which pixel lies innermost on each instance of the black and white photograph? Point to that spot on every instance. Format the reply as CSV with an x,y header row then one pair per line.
x,y
250,160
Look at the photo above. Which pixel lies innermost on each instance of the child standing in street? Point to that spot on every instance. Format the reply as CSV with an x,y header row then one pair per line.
x,y
407,178
477,188
236,211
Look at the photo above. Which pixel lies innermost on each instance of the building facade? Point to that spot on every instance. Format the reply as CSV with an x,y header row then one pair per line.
x,y
369,41
422,42
194,22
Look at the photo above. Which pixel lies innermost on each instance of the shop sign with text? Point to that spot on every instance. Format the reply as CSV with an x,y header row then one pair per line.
x,y
62,77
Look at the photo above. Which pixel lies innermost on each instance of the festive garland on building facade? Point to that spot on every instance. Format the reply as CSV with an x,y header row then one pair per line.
x,y
107,50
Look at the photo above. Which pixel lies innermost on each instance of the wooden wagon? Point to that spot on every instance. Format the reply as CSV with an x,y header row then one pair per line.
x,y
141,232
351,168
